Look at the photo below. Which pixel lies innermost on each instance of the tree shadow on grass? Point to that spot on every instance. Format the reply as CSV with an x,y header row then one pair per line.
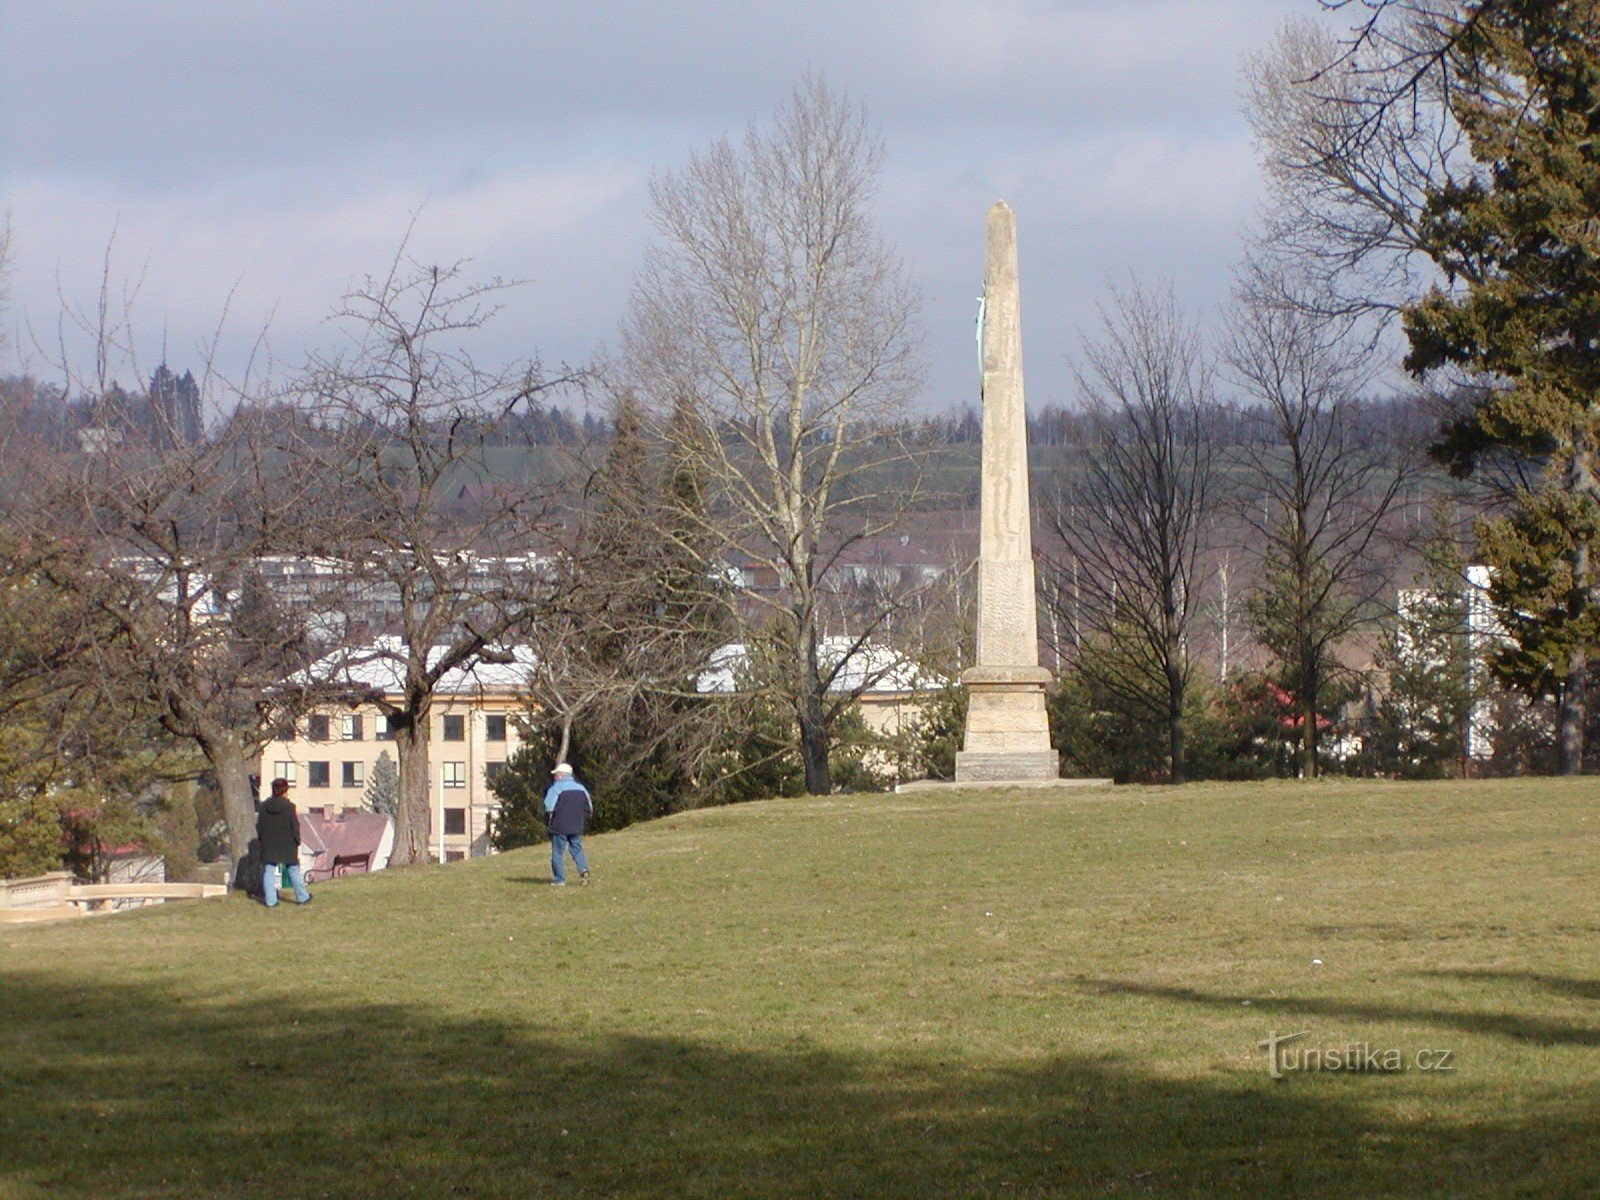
x,y
1541,1031
134,1092
1583,989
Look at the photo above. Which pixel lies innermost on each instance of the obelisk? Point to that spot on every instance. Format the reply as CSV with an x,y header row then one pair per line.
x,y
1008,733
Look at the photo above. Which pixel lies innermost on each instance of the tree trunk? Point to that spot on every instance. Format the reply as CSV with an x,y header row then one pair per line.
x,y
1575,687
412,810
1172,650
814,746
1175,739
808,712
1570,734
1308,730
231,765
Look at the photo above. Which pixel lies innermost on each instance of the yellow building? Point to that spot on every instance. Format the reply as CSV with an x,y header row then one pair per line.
x,y
330,754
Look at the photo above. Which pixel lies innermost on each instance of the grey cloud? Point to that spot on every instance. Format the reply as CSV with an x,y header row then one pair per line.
x,y
284,146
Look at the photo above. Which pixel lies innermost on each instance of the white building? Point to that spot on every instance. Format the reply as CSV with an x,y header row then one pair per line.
x,y
891,685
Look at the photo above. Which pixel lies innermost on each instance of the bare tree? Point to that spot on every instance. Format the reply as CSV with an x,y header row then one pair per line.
x,y
413,504
770,307
167,538
1324,494
1352,135
152,526
5,278
1133,529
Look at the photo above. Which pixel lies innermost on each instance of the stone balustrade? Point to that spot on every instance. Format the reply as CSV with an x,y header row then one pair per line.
x,y
58,895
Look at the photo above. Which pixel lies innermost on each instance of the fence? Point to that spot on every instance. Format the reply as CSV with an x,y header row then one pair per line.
x,y
58,895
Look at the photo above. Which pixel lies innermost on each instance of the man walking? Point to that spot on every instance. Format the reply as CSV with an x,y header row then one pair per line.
x,y
566,811
278,833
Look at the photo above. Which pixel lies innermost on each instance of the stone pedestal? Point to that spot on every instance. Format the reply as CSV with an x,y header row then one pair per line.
x,y
1008,731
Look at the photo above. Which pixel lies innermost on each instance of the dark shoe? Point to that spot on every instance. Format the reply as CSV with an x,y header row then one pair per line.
x,y
583,877
307,900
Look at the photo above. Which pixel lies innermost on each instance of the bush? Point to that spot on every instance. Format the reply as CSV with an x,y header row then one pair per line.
x,y
624,789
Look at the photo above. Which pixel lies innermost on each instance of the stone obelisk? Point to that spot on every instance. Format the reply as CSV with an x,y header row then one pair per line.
x,y
1008,734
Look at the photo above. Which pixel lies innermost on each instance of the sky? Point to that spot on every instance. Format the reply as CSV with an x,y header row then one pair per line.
x,y
241,165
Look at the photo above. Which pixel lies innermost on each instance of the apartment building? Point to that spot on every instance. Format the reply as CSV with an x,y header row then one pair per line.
x,y
329,756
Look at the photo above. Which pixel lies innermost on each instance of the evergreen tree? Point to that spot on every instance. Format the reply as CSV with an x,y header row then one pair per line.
x,y
619,668
174,408
1519,243
383,785
936,735
519,787
1421,722
1297,616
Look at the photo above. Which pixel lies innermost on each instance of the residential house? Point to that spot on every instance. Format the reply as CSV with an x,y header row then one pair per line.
x,y
892,687
353,841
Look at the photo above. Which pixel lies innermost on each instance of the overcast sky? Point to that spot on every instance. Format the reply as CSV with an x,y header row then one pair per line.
x,y
277,151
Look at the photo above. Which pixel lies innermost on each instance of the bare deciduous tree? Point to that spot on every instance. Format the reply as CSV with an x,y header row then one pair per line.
x,y
1324,494
770,306
153,526
412,502
1134,527
1351,139
169,537
5,278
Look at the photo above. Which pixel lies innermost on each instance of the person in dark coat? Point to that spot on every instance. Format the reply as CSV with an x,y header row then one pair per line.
x,y
566,811
278,831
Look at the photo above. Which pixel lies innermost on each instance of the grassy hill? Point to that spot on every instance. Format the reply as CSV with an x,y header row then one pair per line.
x,y
940,995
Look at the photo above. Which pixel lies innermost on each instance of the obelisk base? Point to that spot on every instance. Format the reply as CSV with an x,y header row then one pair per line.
x,y
1008,731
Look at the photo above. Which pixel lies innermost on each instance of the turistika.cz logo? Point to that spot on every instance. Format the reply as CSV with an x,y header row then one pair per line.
x,y
1284,1057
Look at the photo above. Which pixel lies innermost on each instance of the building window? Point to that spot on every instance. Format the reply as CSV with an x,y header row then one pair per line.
x,y
455,774
286,734
494,729
284,770
454,855
491,771
350,728
317,728
317,774
386,726
455,728
455,821
354,774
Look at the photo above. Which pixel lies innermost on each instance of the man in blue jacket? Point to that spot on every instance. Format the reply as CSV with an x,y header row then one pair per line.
x,y
566,810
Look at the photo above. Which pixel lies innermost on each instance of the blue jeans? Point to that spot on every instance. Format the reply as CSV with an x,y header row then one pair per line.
x,y
269,883
559,844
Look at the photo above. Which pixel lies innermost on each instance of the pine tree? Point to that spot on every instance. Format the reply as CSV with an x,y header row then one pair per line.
x,y
1519,243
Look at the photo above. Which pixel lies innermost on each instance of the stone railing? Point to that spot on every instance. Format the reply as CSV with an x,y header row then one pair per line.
x,y
57,895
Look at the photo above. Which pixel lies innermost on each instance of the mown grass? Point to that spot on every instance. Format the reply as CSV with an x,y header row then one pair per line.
x,y
1012,994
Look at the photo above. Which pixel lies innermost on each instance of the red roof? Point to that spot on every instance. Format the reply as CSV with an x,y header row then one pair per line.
x,y
353,832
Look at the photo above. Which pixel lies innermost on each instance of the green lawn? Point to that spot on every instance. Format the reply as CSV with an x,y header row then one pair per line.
x,y
935,995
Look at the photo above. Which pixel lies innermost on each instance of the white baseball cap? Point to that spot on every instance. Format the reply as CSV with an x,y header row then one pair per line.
x,y
562,769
